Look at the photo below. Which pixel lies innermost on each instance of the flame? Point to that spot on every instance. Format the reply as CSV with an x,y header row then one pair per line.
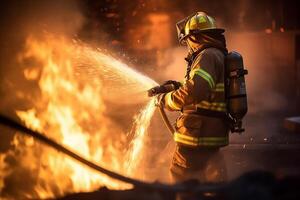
x,y
76,83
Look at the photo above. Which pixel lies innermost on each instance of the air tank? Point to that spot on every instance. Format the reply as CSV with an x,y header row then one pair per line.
x,y
235,89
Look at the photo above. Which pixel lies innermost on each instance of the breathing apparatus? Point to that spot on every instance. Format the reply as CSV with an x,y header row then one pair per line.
x,y
234,73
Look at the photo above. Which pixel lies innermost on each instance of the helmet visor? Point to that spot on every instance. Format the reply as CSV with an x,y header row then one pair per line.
x,y
180,26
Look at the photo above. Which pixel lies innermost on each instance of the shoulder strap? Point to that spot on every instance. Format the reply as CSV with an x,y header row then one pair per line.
x,y
190,59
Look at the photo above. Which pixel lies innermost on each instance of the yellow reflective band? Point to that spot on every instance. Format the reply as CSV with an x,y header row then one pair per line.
x,y
206,103
202,19
219,87
169,101
206,76
200,141
219,90
213,108
216,106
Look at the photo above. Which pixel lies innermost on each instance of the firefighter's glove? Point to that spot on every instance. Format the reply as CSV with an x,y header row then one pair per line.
x,y
175,83
160,100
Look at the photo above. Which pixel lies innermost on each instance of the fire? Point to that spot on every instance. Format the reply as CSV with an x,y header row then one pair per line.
x,y
77,85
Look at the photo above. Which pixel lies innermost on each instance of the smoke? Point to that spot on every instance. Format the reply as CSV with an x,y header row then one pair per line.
x,y
269,89
20,19
263,68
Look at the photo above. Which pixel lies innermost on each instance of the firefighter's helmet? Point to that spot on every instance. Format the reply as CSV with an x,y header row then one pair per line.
x,y
194,24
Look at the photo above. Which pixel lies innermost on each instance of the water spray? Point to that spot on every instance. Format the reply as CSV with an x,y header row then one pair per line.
x,y
163,89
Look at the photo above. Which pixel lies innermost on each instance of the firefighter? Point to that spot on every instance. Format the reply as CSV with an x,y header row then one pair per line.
x,y
201,129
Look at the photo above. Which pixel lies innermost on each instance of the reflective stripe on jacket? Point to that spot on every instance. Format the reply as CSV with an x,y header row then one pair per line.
x,y
204,90
200,141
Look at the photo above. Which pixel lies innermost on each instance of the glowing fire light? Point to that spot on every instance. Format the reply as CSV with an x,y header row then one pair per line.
x,y
75,83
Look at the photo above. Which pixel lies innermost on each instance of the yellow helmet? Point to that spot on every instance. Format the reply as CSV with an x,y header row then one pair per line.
x,y
196,23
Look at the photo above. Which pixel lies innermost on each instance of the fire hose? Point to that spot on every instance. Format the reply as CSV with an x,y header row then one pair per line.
x,y
42,138
163,89
166,119
179,187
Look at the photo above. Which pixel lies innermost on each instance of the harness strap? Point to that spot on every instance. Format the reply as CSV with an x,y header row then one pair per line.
x,y
211,113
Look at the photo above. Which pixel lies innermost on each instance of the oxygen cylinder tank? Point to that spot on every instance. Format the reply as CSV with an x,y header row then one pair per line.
x,y
235,90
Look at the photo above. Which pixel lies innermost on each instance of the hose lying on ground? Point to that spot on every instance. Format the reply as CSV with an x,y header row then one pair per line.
x,y
181,187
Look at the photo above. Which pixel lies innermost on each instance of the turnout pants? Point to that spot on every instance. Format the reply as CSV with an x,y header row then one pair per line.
x,y
203,164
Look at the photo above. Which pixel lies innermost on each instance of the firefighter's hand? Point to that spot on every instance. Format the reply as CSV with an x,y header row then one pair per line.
x,y
159,100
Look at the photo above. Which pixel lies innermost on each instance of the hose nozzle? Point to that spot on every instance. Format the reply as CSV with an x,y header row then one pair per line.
x,y
160,89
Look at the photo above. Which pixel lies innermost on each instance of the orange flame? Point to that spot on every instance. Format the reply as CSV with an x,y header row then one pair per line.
x,y
75,84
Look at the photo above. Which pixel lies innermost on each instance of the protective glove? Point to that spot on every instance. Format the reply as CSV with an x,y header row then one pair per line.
x,y
175,83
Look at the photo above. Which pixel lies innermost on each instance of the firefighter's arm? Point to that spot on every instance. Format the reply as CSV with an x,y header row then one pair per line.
x,y
203,78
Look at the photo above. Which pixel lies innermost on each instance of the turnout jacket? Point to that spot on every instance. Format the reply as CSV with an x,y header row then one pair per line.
x,y
200,99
